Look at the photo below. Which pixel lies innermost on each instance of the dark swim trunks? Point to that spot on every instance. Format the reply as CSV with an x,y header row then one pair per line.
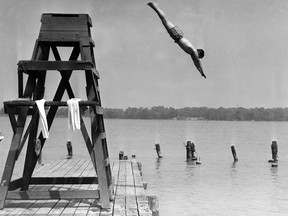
x,y
176,33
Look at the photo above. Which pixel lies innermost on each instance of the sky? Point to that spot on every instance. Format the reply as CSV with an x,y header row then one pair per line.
x,y
245,43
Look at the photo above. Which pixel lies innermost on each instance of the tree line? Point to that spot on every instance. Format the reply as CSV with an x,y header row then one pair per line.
x,y
190,113
200,113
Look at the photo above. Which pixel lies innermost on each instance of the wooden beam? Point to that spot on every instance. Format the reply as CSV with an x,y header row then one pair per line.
x,y
64,180
20,84
31,157
13,122
63,73
21,145
38,65
15,184
46,195
10,161
53,103
61,89
88,143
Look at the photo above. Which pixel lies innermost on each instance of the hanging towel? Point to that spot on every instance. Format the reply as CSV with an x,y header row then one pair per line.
x,y
42,125
73,114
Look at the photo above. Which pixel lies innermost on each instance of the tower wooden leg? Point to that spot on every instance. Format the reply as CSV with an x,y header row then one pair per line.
x,y
31,158
8,171
102,175
11,158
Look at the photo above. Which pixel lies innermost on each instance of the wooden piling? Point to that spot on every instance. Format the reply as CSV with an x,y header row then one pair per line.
x,y
158,150
140,168
145,184
190,150
233,150
69,149
274,149
121,155
153,203
193,151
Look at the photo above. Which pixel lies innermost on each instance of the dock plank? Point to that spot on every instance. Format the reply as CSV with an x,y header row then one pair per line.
x,y
73,203
47,166
81,169
94,204
83,206
16,207
141,199
120,201
38,203
131,204
129,195
48,204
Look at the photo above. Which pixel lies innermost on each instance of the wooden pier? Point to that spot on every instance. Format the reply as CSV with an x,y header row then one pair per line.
x,y
129,196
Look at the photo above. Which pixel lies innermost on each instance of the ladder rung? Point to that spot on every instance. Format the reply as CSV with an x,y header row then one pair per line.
x,y
33,65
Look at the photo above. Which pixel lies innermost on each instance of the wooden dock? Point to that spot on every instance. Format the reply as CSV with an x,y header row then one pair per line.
x,y
129,195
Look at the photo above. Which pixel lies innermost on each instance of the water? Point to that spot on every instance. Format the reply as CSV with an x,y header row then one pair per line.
x,y
216,187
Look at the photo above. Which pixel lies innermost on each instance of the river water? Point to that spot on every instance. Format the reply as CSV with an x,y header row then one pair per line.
x,y
216,187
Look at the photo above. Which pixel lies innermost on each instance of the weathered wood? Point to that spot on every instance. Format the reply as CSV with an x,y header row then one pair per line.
x,y
47,167
38,203
31,157
64,180
103,175
153,204
21,145
66,22
142,201
121,155
38,65
131,202
63,73
158,150
20,84
11,158
52,103
119,200
274,149
70,40
67,30
130,198
13,122
33,195
190,150
234,154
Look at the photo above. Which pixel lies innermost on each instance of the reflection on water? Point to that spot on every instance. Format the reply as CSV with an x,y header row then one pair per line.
x,y
190,162
234,170
158,163
274,172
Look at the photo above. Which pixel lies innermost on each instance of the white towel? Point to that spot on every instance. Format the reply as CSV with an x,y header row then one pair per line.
x,y
73,114
42,125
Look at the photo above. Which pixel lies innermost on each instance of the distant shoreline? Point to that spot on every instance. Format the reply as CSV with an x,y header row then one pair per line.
x,y
190,113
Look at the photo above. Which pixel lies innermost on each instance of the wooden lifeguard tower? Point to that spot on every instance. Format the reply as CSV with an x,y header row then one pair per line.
x,y
57,30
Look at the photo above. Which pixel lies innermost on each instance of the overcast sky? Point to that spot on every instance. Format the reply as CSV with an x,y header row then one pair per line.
x,y
245,43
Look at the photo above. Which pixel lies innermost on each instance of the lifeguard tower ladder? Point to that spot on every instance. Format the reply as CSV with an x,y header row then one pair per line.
x,y
69,31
